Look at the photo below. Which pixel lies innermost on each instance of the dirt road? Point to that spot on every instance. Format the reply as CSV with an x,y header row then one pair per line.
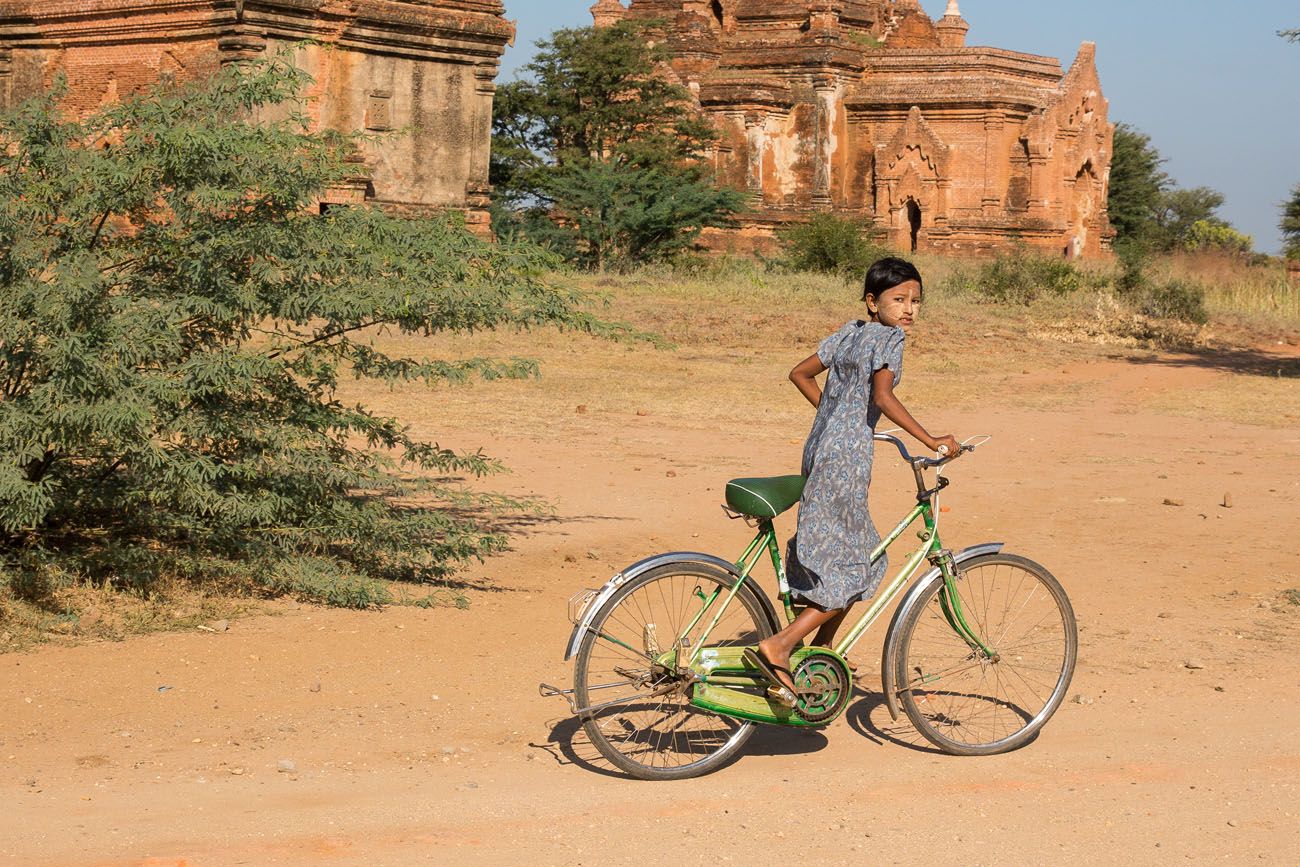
x,y
410,736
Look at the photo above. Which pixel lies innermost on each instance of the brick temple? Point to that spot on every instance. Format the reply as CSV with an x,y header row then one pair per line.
x,y
424,67
870,108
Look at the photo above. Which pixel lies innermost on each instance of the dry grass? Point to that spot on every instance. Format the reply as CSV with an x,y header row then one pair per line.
x,y
1240,290
78,613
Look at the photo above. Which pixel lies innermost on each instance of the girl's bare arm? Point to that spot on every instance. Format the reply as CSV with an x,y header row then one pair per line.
x,y
804,376
882,395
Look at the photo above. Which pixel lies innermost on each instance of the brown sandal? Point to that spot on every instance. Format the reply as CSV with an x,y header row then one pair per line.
x,y
778,691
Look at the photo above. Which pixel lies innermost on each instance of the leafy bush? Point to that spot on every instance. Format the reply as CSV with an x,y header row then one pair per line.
x,y
1183,300
174,318
827,244
1021,277
1177,299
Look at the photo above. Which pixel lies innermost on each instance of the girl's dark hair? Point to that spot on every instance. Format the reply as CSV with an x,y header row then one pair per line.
x,y
888,273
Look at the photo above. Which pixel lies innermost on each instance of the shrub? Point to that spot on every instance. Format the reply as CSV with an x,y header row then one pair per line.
x,y
1183,300
827,244
1020,277
174,317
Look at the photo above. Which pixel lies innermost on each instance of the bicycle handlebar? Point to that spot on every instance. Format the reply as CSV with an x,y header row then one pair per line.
x,y
920,461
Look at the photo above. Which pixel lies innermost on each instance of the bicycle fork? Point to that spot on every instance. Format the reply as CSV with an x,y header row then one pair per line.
x,y
950,603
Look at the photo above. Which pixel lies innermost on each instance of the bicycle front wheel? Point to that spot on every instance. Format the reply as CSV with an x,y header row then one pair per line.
x,y
650,729
969,703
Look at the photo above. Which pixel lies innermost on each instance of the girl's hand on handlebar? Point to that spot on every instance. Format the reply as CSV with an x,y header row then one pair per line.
x,y
948,440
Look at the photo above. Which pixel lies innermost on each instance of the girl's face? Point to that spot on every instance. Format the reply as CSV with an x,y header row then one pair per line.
x,y
897,307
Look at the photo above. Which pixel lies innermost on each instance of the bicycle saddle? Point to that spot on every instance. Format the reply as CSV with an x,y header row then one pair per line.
x,y
764,498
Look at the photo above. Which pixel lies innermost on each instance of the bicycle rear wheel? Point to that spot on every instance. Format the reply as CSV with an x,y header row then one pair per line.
x,y
965,702
662,737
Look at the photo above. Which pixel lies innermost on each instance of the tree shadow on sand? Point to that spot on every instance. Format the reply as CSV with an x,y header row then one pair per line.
x,y
1246,362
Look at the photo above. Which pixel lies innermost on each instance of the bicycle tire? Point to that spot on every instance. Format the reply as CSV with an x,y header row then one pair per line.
x,y
645,740
965,703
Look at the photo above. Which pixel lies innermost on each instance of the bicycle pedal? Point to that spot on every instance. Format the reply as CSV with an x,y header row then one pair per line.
x,y
778,695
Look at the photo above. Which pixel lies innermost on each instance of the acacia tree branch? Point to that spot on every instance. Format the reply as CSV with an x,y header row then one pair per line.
x,y
99,227
330,335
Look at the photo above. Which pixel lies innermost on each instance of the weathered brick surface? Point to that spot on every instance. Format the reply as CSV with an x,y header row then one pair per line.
x,y
423,67
871,108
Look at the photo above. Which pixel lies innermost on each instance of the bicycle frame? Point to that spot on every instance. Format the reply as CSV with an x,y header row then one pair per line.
x,y
766,540
931,550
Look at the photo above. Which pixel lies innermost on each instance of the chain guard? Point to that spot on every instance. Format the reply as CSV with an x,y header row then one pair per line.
x,y
825,686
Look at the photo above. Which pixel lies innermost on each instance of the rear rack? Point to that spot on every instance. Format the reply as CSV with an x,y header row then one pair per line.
x,y
578,603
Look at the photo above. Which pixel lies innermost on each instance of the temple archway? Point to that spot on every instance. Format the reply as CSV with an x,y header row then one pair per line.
x,y
913,222
1083,208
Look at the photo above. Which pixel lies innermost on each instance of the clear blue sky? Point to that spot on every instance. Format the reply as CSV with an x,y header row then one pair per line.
x,y
1212,84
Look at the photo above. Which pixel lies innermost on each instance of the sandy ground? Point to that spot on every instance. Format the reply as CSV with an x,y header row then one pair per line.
x,y
410,736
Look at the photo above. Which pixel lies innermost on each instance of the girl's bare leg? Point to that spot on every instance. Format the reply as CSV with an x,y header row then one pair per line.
x,y
778,648
826,634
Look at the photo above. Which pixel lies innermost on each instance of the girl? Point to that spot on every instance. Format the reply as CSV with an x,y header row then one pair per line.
x,y
829,558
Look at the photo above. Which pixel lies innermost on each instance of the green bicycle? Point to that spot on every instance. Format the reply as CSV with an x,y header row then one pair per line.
x,y
979,653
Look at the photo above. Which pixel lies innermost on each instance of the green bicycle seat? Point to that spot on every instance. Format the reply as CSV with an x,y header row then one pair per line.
x,y
764,498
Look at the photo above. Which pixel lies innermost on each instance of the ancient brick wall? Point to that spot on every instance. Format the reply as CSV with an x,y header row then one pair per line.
x,y
423,70
871,108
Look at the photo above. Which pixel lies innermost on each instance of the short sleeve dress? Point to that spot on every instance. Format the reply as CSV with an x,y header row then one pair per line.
x,y
829,558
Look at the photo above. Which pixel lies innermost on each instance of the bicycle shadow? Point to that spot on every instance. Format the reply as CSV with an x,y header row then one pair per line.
x,y
568,744
869,717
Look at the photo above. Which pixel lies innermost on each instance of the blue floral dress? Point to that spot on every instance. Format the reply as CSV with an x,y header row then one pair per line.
x,y
829,559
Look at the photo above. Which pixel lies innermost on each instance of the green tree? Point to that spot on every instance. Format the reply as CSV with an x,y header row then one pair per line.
x,y
1187,219
1216,235
1179,209
174,319
600,155
1290,225
1146,208
1137,184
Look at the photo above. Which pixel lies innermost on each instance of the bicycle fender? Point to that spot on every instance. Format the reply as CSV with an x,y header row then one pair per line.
x,y
643,566
889,655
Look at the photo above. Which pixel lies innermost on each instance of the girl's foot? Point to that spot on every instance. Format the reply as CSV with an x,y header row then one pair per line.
x,y
778,661
776,676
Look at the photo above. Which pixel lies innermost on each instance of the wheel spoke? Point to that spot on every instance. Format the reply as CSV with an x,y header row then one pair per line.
x,y
963,702
662,736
